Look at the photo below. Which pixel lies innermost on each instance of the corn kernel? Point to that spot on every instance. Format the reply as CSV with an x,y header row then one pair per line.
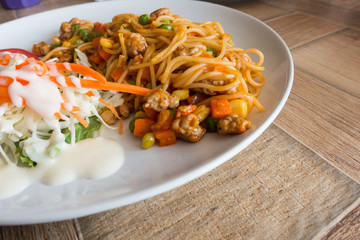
x,y
71,40
148,140
66,44
202,112
182,94
140,114
239,107
106,42
56,40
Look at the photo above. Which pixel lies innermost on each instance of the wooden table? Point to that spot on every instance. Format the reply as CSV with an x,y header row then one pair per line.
x,y
299,180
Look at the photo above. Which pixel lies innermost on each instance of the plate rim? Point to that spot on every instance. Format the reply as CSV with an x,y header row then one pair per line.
x,y
177,181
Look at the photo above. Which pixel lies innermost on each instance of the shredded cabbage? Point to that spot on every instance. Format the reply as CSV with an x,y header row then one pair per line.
x,y
28,137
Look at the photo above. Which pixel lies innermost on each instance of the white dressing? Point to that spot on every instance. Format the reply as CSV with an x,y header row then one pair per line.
x,y
75,162
30,129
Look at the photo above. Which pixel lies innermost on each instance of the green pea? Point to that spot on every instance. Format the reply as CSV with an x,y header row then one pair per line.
x,y
140,114
144,19
55,46
84,34
166,26
78,42
93,35
173,111
149,85
75,28
132,124
131,82
148,140
141,108
211,124
209,49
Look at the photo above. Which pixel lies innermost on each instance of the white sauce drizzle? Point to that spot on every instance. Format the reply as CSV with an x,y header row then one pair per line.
x,y
90,158
74,162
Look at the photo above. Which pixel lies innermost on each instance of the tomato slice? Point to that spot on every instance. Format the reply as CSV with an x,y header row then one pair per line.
x,y
20,51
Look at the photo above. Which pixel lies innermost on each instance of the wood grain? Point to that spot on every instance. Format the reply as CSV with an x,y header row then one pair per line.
x,y
333,59
351,4
48,5
326,120
279,187
298,28
57,230
261,11
322,9
6,15
347,227
275,189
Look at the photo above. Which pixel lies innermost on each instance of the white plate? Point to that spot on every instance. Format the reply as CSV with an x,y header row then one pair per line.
x,y
147,172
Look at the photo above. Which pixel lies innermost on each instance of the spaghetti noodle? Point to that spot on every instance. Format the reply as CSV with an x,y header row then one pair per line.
x,y
168,52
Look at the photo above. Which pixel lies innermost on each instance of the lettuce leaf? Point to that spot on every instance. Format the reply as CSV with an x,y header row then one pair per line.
x,y
25,160
81,132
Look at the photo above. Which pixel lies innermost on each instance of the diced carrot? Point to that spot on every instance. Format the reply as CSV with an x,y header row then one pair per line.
x,y
165,137
219,68
150,113
146,75
196,98
103,54
220,108
167,124
185,110
143,126
96,42
99,27
116,74
96,58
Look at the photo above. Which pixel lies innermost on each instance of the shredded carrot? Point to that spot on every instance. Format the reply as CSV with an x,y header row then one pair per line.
x,y
80,119
120,87
121,126
4,92
81,69
60,115
5,100
89,93
111,107
41,68
5,59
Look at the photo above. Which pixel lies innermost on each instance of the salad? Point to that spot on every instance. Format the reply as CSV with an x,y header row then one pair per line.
x,y
48,106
